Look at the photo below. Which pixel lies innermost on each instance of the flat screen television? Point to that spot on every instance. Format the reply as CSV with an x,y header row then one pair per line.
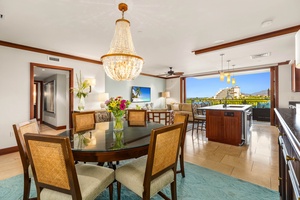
x,y
140,94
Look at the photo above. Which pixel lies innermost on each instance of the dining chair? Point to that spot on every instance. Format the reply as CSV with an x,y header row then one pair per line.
x,y
137,115
182,118
148,175
20,129
83,121
197,118
55,174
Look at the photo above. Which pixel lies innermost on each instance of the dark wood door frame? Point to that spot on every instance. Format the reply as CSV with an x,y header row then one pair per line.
x,y
70,70
39,106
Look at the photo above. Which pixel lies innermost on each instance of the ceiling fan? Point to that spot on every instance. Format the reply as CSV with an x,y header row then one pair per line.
x,y
171,73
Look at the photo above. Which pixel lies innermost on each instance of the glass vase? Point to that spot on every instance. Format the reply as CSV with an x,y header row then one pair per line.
x,y
81,104
118,123
118,140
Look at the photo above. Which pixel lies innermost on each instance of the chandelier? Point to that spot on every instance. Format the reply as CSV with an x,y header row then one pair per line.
x,y
228,73
233,79
121,62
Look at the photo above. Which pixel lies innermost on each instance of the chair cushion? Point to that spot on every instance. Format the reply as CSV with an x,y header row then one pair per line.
x,y
200,117
132,175
92,180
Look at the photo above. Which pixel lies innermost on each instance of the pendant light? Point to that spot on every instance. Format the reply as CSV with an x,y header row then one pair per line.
x,y
221,72
233,79
228,73
121,62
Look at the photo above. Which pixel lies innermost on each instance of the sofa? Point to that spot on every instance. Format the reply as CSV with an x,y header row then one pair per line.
x,y
182,108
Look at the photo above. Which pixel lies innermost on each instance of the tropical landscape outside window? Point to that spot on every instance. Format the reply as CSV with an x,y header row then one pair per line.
x,y
250,88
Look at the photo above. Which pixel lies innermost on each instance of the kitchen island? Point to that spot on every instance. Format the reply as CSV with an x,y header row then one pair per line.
x,y
228,124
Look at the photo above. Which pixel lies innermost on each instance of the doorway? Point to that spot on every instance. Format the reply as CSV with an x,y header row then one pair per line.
x,y
36,110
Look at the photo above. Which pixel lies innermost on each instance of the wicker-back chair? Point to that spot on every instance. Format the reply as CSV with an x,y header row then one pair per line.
x,y
55,174
83,121
148,175
20,129
137,117
182,118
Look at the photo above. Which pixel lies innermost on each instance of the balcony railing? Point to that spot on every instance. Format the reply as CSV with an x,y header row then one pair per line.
x,y
255,102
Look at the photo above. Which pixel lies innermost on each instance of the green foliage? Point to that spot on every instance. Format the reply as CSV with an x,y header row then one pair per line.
x,y
252,100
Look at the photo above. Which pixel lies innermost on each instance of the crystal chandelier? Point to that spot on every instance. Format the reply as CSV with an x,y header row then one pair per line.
x,y
121,62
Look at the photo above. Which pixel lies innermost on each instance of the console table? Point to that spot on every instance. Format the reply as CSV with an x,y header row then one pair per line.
x,y
161,116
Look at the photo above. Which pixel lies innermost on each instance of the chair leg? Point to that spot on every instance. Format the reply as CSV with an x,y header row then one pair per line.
x,y
27,183
182,165
173,190
193,130
119,190
111,191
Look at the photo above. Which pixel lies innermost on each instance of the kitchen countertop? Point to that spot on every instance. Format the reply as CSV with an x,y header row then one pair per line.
x,y
232,107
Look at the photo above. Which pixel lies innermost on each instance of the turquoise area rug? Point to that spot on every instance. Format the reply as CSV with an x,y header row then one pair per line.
x,y
200,183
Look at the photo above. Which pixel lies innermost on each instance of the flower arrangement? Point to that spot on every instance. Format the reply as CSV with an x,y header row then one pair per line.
x,y
117,106
82,89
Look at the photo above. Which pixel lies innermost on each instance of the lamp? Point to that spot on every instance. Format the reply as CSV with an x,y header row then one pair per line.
x,y
121,62
92,83
228,73
221,72
297,55
103,97
165,95
233,79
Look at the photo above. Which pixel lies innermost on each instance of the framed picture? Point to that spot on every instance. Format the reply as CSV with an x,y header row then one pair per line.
x,y
140,94
49,96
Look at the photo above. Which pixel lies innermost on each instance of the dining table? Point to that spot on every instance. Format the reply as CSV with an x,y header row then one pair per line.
x,y
103,144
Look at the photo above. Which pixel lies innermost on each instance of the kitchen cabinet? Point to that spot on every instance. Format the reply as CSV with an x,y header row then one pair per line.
x,y
224,126
289,153
295,78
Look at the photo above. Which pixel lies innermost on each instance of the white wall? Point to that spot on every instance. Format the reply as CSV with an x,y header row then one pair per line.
x,y
285,87
123,88
15,87
173,86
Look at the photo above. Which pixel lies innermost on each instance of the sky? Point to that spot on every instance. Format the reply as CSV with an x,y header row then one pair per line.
x,y
208,87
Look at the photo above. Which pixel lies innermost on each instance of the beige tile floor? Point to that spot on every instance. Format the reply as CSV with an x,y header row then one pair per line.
x,y
256,163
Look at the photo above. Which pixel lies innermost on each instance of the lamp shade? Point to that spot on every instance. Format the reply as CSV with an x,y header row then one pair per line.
x,y
165,94
103,97
92,81
297,44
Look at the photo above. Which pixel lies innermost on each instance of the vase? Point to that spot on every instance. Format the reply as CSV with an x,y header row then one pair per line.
x,y
118,123
118,140
81,104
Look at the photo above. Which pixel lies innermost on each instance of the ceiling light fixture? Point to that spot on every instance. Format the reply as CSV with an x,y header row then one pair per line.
x,y
260,55
228,73
233,79
222,72
121,62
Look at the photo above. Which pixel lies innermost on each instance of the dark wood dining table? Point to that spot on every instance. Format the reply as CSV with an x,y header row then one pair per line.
x,y
102,145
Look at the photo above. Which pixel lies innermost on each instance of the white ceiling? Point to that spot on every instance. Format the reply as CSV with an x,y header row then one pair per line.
x,y
164,32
